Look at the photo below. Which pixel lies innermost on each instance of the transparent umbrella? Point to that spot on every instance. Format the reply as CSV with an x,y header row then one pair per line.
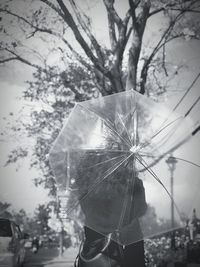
x,y
110,159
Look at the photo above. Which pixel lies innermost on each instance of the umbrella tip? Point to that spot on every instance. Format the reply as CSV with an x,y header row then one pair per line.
x,y
135,149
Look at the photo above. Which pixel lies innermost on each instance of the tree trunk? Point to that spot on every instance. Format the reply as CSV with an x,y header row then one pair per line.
x,y
110,83
116,80
134,53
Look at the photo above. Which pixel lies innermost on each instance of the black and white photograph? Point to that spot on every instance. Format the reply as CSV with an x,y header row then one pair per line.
x,y
99,133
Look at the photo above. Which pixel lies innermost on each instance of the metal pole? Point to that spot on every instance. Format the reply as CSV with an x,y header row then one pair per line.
x,y
172,210
171,162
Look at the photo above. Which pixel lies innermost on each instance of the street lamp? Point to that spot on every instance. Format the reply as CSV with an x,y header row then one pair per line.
x,y
171,162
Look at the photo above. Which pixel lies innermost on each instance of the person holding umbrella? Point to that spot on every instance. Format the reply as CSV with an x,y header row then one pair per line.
x,y
117,218
107,149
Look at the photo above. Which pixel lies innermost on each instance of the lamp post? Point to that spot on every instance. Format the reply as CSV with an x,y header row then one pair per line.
x,y
171,162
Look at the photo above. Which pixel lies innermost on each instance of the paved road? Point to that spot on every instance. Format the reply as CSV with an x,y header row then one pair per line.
x,y
48,257
67,260
41,258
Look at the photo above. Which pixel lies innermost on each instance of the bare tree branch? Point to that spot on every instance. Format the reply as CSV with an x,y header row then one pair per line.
x,y
143,16
71,23
36,28
17,16
164,60
187,10
110,5
114,19
86,29
54,7
161,42
157,11
8,59
187,91
138,24
133,7
174,7
111,26
48,31
21,59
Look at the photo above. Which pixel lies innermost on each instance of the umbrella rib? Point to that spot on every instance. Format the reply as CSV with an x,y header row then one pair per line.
x,y
95,150
93,187
168,152
125,129
108,172
106,161
133,110
106,123
158,180
188,161
125,203
114,131
169,135
166,126
162,129
100,180
185,160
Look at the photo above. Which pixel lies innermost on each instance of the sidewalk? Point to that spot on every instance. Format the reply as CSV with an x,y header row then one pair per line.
x,y
67,259
69,256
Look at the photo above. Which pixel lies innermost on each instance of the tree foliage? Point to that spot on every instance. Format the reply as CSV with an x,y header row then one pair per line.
x,y
71,62
41,218
5,210
20,217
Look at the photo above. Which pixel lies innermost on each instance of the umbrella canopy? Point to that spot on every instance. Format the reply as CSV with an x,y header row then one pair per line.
x,y
110,156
